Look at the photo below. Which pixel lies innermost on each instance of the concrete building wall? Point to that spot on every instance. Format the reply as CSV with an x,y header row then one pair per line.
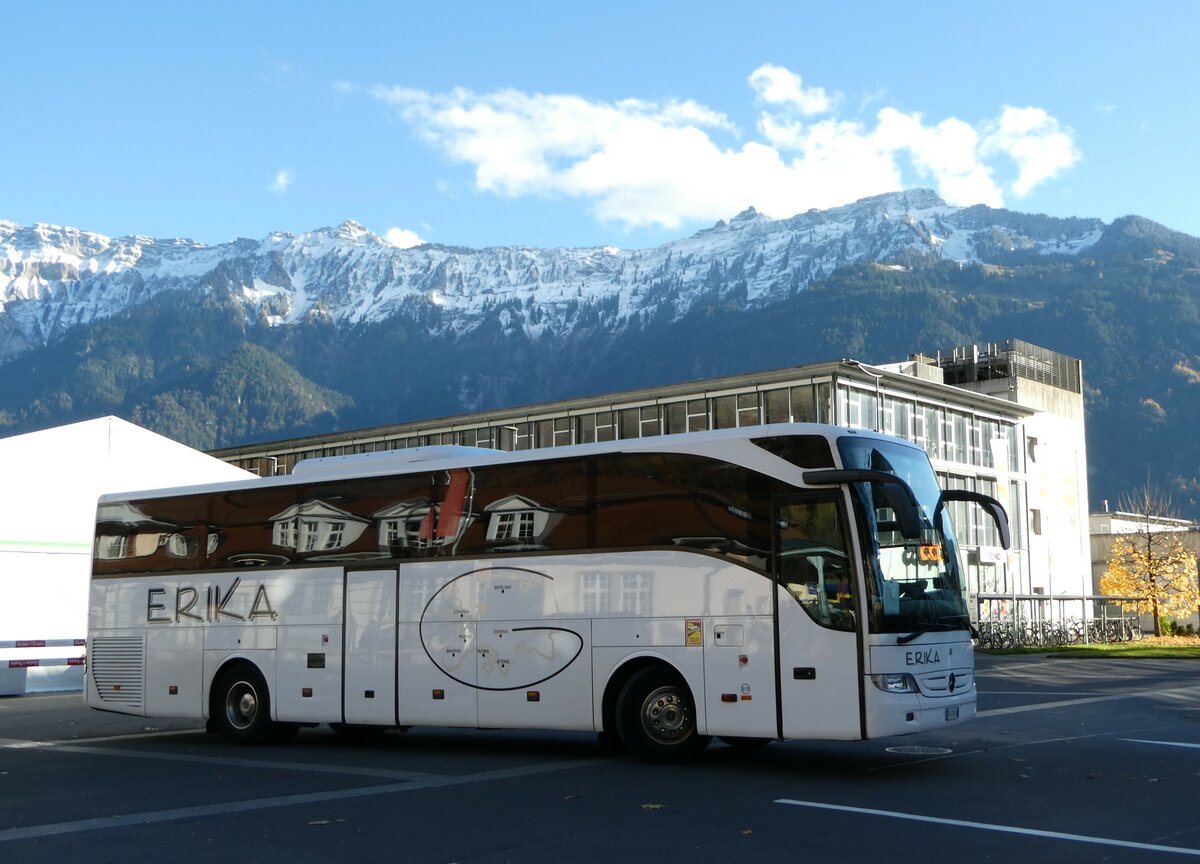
x,y
1058,500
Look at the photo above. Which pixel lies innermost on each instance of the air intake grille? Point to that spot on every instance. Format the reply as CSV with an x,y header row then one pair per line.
x,y
116,664
945,683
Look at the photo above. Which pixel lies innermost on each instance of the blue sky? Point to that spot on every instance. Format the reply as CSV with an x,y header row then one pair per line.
x,y
564,124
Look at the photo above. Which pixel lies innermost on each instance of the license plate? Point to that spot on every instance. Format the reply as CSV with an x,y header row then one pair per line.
x,y
951,713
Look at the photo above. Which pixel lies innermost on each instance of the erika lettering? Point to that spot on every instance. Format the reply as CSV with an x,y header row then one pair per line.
x,y
927,657
184,610
209,604
222,602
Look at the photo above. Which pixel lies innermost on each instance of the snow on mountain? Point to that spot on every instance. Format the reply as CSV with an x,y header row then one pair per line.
x,y
52,278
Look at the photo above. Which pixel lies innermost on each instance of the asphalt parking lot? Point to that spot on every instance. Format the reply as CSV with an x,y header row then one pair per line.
x,y
1068,760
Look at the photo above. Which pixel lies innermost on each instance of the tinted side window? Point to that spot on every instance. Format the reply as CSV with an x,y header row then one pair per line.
x,y
242,522
358,520
683,501
805,451
521,508
152,534
606,502
814,564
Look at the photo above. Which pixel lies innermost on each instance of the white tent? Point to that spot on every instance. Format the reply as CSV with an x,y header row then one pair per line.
x,y
49,483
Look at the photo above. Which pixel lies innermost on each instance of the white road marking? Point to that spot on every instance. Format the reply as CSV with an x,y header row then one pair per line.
x,y
33,743
1062,703
1162,743
1003,829
204,810
1036,693
1170,693
236,762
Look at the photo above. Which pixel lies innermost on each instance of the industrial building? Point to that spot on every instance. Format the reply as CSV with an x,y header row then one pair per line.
x,y
1005,419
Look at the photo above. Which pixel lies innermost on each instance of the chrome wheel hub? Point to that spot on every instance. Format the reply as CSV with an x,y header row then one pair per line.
x,y
241,706
666,716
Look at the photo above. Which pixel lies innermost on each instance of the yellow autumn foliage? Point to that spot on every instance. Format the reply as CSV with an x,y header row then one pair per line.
x,y
1157,569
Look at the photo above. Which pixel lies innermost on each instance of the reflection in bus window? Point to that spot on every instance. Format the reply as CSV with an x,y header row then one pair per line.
x,y
683,500
172,535
813,563
527,507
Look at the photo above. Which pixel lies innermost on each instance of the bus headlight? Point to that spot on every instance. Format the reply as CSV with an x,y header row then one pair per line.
x,y
900,682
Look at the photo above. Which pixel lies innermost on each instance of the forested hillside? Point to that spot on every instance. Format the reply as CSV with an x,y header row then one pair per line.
x,y
193,365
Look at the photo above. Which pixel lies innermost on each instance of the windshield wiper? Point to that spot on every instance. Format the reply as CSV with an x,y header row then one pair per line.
x,y
947,623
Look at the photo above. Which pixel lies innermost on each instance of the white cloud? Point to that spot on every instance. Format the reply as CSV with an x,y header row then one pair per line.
x,y
283,181
946,154
778,86
1040,146
403,238
667,163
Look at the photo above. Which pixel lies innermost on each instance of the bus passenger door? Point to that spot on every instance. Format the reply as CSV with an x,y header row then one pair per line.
x,y
436,646
369,684
818,619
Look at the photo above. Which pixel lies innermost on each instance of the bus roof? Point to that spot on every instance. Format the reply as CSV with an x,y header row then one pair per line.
x,y
447,457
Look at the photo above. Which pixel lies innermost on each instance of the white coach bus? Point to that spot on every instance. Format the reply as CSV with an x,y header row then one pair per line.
x,y
773,582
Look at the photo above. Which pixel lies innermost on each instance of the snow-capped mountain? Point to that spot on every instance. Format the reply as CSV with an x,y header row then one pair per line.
x,y
53,278
294,335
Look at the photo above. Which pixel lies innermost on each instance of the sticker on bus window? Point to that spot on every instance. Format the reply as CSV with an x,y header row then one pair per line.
x,y
930,553
694,628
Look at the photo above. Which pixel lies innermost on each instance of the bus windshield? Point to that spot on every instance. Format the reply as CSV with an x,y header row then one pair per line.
x,y
913,585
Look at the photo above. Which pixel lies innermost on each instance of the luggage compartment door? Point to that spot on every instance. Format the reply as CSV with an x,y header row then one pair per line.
x,y
369,688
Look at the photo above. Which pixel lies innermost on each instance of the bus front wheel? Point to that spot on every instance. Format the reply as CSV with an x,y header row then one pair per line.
x,y
242,707
656,716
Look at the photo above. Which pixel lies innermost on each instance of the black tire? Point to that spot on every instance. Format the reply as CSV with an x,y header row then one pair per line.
x,y
241,707
656,716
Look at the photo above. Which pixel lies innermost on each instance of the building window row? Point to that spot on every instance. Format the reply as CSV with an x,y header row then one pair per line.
x,y
945,433
795,404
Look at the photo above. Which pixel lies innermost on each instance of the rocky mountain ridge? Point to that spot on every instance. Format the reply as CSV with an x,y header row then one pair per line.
x,y
54,278
336,329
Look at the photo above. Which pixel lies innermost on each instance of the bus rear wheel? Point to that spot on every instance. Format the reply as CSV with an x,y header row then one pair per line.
x,y
242,707
656,716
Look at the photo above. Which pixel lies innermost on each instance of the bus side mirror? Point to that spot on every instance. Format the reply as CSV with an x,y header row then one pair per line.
x,y
990,505
899,496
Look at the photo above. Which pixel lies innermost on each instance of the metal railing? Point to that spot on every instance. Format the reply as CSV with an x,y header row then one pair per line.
x,y
1032,620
